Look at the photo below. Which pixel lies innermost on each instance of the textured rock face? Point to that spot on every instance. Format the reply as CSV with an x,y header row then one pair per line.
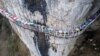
x,y
57,14
66,12
51,11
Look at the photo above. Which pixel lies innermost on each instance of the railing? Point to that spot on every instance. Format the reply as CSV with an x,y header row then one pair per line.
x,y
49,31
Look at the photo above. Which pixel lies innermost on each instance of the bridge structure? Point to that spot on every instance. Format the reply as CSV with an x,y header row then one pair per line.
x,y
49,31
27,19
